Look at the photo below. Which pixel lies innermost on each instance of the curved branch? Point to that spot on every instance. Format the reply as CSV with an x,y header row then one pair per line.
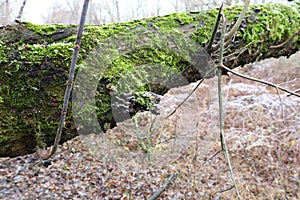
x,y
261,81
239,21
287,42
235,27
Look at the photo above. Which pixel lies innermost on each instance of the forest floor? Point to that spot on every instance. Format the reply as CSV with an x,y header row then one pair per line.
x,y
261,130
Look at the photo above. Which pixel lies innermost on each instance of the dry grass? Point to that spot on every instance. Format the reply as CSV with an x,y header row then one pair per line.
x,y
262,132
261,129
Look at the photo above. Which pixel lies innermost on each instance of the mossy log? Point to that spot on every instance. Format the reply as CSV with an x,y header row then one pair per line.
x,y
34,63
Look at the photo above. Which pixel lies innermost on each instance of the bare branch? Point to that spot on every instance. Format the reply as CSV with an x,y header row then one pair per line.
x,y
160,190
213,36
281,104
239,21
69,82
287,42
205,76
221,112
18,18
262,81
116,4
235,27
211,157
220,83
4,2
176,6
71,8
5,8
225,190
185,99
298,90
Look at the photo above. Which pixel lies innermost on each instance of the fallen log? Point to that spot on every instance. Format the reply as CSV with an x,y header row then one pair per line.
x,y
34,62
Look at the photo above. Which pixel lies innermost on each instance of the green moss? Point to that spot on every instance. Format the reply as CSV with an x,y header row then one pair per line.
x,y
36,54
3,138
33,75
172,21
94,35
203,31
273,22
32,88
3,50
44,29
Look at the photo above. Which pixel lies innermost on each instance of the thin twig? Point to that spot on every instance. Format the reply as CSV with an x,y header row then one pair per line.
x,y
69,82
18,18
210,49
236,25
211,157
4,2
298,90
223,142
207,74
72,10
194,157
185,99
281,105
160,190
213,36
225,190
287,42
239,52
175,137
261,81
239,21
139,136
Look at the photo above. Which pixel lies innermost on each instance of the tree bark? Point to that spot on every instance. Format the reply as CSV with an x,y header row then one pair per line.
x,y
34,62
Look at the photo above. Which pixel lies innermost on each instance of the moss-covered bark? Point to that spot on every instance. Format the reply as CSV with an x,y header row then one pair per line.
x,y
34,62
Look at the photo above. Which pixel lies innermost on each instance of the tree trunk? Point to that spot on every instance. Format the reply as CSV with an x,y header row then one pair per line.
x,y
34,63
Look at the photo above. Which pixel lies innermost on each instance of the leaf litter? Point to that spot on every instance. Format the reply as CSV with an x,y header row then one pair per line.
x,y
262,133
